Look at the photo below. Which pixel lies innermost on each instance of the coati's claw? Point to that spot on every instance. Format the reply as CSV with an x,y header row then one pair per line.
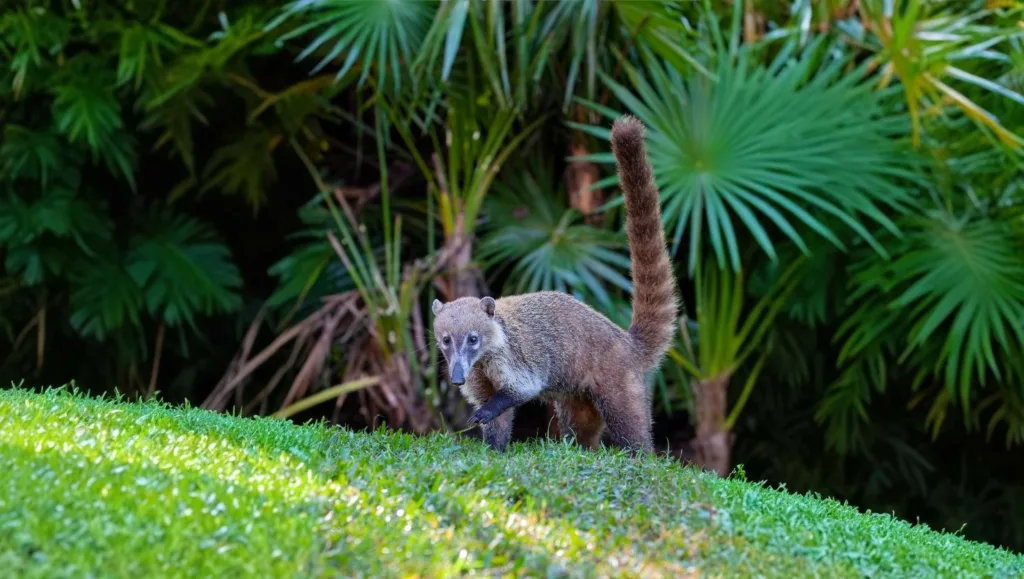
x,y
481,416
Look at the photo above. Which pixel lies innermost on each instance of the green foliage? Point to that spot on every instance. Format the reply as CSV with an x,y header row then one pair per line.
x,y
244,167
78,78
30,37
105,298
515,55
156,490
29,154
820,285
547,248
312,271
183,270
933,47
785,146
376,36
948,307
43,236
958,271
86,110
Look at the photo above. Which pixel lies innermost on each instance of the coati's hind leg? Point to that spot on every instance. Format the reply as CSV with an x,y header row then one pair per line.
x,y
626,410
578,418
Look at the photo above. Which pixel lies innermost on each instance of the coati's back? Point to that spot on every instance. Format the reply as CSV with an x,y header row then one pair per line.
x,y
561,338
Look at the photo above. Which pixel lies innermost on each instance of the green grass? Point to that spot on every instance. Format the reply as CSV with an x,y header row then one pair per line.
x,y
103,489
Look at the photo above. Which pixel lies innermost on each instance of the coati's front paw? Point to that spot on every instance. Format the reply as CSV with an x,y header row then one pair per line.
x,y
483,415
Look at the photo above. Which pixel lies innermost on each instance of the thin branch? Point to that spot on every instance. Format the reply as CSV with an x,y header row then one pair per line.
x,y
158,351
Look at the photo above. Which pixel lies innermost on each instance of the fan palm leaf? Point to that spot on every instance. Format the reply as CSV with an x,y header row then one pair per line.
x,y
959,287
798,144
514,43
546,243
383,37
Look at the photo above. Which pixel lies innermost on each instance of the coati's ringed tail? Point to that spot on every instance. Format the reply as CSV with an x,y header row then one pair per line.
x,y
655,305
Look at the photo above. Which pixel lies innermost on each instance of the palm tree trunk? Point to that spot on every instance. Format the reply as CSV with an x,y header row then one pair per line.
x,y
713,442
581,175
462,278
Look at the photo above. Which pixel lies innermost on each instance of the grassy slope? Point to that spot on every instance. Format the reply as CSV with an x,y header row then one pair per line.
x,y
88,486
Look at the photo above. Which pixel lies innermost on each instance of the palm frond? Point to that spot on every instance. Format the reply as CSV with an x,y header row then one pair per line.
x,y
32,35
663,27
931,46
382,37
104,298
183,270
313,270
542,240
84,105
957,284
52,233
58,213
144,48
244,167
37,262
844,408
785,147
820,289
34,154
580,23
87,111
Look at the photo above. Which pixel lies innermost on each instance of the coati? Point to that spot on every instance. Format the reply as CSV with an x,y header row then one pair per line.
x,y
549,345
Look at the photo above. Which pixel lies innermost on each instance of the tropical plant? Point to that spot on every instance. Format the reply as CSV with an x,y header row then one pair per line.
x,y
789,146
371,336
477,141
79,229
532,230
741,148
726,337
929,45
373,37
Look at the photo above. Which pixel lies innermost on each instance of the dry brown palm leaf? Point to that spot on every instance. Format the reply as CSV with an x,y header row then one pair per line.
x,y
243,367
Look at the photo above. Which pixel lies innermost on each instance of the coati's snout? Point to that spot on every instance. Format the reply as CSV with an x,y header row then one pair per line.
x,y
457,374
465,330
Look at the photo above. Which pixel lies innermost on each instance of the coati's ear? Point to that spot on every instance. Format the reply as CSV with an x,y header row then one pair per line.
x,y
488,305
436,307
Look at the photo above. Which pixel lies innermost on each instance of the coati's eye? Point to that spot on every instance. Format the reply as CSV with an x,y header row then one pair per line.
x,y
473,340
446,340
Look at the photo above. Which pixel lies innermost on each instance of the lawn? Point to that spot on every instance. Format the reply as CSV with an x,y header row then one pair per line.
x,y
98,488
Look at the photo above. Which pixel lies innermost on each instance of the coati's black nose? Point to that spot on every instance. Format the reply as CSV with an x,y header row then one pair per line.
x,y
458,374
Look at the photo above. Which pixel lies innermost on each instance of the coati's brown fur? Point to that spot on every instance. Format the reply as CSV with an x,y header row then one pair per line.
x,y
548,345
